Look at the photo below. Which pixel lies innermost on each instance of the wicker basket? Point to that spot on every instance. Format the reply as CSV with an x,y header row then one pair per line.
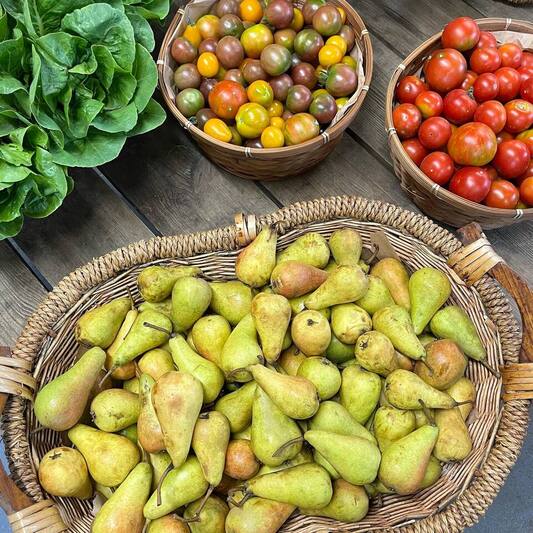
x,y
432,199
270,163
46,347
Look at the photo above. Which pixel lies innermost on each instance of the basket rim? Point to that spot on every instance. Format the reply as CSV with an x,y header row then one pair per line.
x,y
437,191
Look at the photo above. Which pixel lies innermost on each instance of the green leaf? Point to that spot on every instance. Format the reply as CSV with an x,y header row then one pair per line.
x,y
151,9
14,200
29,136
15,155
118,120
151,118
10,174
9,84
106,65
121,91
12,54
10,229
4,28
81,115
142,30
145,70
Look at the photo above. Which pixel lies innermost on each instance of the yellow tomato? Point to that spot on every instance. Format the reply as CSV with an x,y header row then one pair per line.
x,y
329,55
342,13
275,109
341,102
316,92
297,20
192,34
338,41
277,122
251,10
272,137
251,120
218,129
260,92
350,61
207,65
209,26
235,136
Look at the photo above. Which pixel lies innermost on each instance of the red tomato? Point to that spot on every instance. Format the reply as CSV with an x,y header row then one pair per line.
x,y
438,167
525,73
445,70
461,34
493,174
510,54
406,119
519,115
429,103
526,191
472,183
458,106
434,133
527,59
509,83
504,136
486,40
468,82
502,194
485,60
493,114
409,88
527,174
226,97
511,159
415,150
473,144
526,90
527,138
486,87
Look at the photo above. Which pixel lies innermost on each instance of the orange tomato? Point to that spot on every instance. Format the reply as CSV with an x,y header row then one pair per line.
x,y
272,137
277,122
192,34
297,20
207,64
218,129
251,10
275,109
329,55
209,26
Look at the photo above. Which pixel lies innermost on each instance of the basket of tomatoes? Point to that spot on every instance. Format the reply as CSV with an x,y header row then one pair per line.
x,y
459,114
265,88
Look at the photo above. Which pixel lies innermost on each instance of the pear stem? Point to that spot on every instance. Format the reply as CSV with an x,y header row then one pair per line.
x,y
484,364
427,413
280,450
235,371
246,497
158,328
160,484
196,516
457,404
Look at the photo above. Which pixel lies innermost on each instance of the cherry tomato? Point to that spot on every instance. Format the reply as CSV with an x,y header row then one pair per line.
x,y
526,191
251,120
183,51
350,61
307,44
226,98
207,86
526,90
285,38
438,167
300,128
509,83
502,194
341,102
329,54
486,87
209,26
406,119
192,34
519,115
510,54
309,8
231,25
461,33
255,38
493,114
298,99
525,73
277,122
253,143
260,92
343,14
504,136
275,109
472,183
348,35
327,20
486,40
297,20
186,76
304,74
409,88
341,80
323,108
203,116
429,103
415,150
252,70
218,129
275,59
280,85
527,138
207,64
468,82
458,106
511,159
189,102
339,42
251,10
234,74
527,59
272,137
229,52
445,70
485,60
208,45
493,173
227,7
472,144
434,133
279,13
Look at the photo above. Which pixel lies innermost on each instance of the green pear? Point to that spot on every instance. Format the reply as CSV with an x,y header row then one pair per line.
x,y
291,359
394,322
293,279
392,424
359,392
255,263
123,512
156,282
338,352
148,428
296,396
211,518
429,289
377,296
403,361
305,456
365,267
63,472
115,409
109,457
356,459
396,278
128,370
155,363
231,299
287,340
381,488
298,305
325,464
311,332
132,385
131,433
160,462
454,442
271,314
104,492
324,375
348,504
331,266
240,351
311,248
237,406
99,326
349,321
61,402
246,433
425,339
258,514
209,334
346,246
404,462
345,284
433,472
181,486
177,398
190,299
375,353
170,523
241,462
453,323
164,307
272,430
461,391
422,417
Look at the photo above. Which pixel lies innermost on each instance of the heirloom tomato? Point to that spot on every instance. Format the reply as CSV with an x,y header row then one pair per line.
x,y
189,102
226,7
186,76
406,119
527,138
348,35
234,74
183,51
226,98
526,191
229,52
192,34
458,106
298,99
207,64
486,87
208,45
277,122
307,44
526,90
297,20
208,26
285,38
275,109
207,86
472,183
434,133
275,59
429,103
329,54
350,61
502,194
279,13
485,60
272,137
231,25
218,129
323,108
409,88
445,70
486,40
280,85
493,114
252,70
472,144
510,54
438,167
251,10
251,120
415,150
511,159
327,20
519,115
203,116
341,80
310,7
339,42
527,59
461,33
468,82
255,38
504,136
508,83
300,128
260,92
304,74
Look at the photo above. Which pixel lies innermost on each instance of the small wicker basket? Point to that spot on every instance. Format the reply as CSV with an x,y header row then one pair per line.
x,y
270,163
432,199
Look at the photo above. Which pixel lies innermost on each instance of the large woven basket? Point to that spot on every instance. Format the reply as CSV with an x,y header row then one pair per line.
x,y
432,199
46,347
270,163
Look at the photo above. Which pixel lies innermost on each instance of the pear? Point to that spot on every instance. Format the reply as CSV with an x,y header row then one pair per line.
x,y
291,359
298,305
356,459
422,417
396,278
394,322
156,282
345,284
130,433
305,456
240,351
293,279
211,517
205,371
115,409
181,486
311,248
109,457
241,462
170,523
311,332
164,307
63,472
429,288
258,514
237,406
348,504
346,246
326,465
433,472
297,397
123,512
272,430
255,263
148,428
377,296
453,323
177,398
160,463
128,370
155,363
132,385
338,352
209,334
381,488
287,340
190,299
271,314
349,321
391,424
454,442
99,326
425,339
461,391
375,353
231,299
403,361
404,462
61,402
331,266
324,375
359,392
104,492
365,267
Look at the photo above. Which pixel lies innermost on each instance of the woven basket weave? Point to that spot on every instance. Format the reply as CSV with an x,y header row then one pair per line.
x,y
455,502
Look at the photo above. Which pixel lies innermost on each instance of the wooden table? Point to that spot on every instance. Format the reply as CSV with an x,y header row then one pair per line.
x,y
163,185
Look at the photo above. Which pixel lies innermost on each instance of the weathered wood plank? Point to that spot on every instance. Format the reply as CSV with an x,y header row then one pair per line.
x,y
502,9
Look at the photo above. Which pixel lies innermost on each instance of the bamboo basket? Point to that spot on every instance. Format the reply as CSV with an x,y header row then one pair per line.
x,y
431,198
46,347
270,163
